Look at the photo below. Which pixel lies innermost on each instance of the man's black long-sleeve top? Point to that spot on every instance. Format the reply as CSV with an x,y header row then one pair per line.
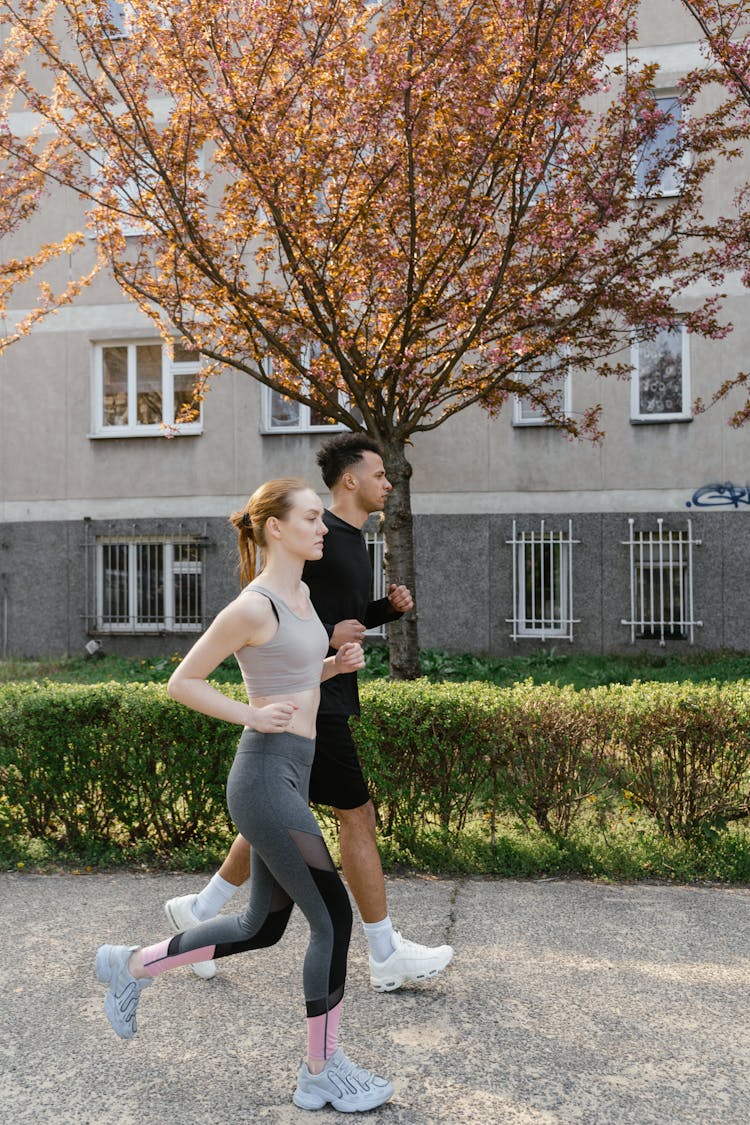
x,y
340,584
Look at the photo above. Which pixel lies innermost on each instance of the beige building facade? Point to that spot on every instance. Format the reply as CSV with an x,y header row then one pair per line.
x,y
111,533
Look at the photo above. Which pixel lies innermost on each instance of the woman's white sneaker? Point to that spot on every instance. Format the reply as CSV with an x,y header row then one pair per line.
x,y
121,1000
408,964
342,1084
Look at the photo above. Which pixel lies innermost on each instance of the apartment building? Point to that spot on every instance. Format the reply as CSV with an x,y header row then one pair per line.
x,y
113,535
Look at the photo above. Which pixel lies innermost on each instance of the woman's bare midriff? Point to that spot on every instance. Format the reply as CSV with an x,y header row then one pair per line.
x,y
303,719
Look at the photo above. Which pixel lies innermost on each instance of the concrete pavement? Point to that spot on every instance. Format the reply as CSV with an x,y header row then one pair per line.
x,y
568,1003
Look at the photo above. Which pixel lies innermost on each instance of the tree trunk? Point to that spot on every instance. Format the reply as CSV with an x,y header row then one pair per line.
x,y
403,635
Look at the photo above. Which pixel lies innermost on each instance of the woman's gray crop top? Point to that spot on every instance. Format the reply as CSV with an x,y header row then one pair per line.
x,y
292,660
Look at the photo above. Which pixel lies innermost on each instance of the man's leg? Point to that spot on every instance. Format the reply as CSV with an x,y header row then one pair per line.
x,y
187,911
360,861
393,960
336,780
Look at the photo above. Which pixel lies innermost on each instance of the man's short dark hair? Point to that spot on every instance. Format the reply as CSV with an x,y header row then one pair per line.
x,y
338,454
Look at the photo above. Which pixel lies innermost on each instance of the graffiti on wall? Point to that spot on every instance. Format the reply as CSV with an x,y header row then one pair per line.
x,y
720,496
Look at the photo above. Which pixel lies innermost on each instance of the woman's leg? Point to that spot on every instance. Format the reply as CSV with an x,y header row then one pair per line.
x,y
266,792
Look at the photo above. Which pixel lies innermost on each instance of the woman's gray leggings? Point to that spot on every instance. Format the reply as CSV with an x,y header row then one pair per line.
x,y
267,797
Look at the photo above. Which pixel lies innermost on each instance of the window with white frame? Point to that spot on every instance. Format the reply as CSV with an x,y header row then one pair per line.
x,y
148,585
139,388
661,583
283,415
132,198
376,549
556,392
660,382
543,582
659,168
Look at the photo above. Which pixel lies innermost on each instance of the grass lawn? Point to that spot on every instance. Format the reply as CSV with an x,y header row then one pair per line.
x,y
548,666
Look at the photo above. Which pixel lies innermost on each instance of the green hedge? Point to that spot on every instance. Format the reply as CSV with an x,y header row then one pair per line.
x,y
110,762
123,764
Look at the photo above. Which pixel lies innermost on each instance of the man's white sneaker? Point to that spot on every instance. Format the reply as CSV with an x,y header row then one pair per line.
x,y
408,964
179,911
346,1086
124,992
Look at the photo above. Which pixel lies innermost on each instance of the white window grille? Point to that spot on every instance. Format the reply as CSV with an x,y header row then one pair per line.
x,y
139,388
661,584
376,547
543,583
149,585
660,382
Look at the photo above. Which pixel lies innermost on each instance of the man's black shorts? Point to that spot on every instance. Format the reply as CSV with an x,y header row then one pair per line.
x,y
336,778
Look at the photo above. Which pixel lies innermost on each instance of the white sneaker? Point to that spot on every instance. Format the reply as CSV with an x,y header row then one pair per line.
x,y
346,1086
124,992
179,911
408,963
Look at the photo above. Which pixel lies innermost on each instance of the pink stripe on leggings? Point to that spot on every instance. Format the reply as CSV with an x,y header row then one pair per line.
x,y
323,1033
156,958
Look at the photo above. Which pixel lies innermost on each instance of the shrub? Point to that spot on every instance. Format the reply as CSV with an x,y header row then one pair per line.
x,y
549,753
121,765
57,749
425,749
172,767
110,762
683,753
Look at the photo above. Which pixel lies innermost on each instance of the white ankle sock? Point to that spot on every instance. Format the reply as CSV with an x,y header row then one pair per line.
x,y
378,935
213,896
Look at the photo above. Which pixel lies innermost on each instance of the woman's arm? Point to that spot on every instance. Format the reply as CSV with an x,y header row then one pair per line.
x,y
248,619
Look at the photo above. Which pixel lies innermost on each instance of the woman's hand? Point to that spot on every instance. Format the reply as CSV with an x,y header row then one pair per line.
x,y
350,658
272,718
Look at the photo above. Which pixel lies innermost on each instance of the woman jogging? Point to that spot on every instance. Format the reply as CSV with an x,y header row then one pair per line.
x,y
280,645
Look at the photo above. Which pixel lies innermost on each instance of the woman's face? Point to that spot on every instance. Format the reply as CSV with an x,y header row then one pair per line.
x,y
301,531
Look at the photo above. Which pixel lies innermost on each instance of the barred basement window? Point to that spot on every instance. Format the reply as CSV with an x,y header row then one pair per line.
x,y
376,547
149,585
661,584
543,583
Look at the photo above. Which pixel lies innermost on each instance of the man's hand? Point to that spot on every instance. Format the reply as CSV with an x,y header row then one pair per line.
x,y
346,632
400,598
350,658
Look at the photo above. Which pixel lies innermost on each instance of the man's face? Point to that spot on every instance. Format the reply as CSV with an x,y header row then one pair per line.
x,y
372,484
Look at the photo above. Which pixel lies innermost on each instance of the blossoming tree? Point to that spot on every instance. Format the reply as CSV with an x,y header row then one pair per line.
x,y
389,211
23,187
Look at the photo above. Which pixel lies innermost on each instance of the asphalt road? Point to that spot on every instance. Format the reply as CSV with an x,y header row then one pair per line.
x,y
566,1003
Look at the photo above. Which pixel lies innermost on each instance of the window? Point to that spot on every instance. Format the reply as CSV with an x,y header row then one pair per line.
x,y
542,583
132,197
138,388
283,415
660,385
661,584
659,165
120,15
149,585
376,548
557,392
